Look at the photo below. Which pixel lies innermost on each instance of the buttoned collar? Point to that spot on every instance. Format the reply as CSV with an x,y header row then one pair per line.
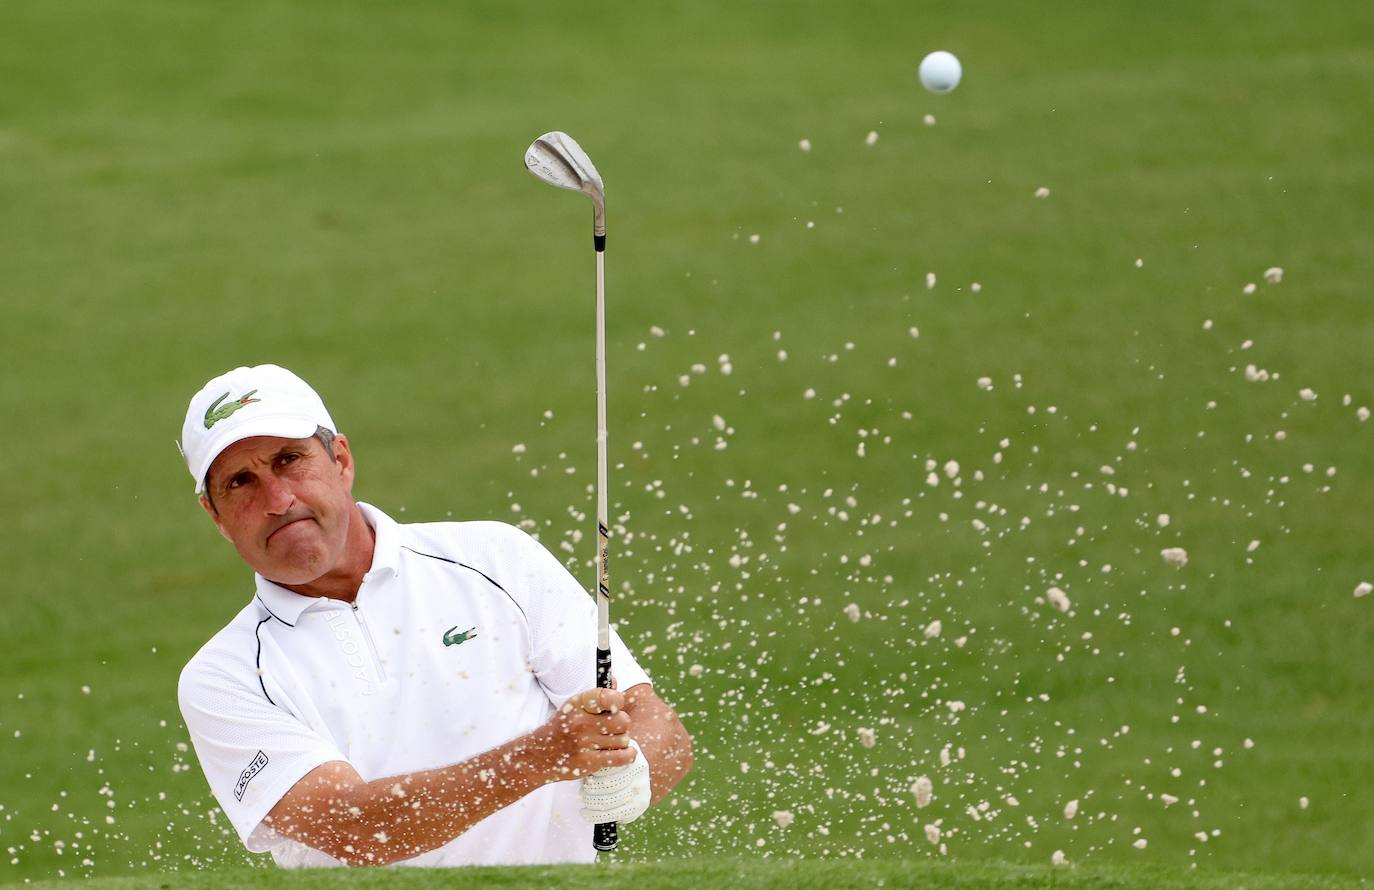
x,y
287,605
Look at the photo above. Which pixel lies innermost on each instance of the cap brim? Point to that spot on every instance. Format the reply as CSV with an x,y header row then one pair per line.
x,y
282,427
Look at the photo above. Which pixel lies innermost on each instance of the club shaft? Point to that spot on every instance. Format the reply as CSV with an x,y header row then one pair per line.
x,y
605,836
603,593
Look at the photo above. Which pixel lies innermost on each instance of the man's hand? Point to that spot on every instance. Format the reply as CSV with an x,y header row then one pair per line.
x,y
586,735
618,794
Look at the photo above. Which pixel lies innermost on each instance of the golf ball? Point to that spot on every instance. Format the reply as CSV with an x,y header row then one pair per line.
x,y
940,72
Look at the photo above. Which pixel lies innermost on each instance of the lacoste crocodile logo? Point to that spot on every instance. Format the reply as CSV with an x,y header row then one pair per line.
x,y
217,412
453,639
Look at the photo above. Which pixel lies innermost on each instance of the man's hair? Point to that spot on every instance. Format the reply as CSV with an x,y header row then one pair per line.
x,y
324,434
326,437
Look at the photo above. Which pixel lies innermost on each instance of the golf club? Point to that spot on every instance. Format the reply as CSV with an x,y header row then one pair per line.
x,y
558,160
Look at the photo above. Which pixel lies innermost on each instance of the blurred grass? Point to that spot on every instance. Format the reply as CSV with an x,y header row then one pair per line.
x,y
761,874
336,187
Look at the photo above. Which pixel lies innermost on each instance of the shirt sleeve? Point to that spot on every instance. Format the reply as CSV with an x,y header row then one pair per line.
x,y
251,750
562,620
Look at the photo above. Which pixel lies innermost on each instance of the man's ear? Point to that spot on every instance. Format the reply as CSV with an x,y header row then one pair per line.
x,y
209,508
343,456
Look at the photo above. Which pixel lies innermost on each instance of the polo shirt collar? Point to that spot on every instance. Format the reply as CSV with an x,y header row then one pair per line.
x,y
386,551
287,605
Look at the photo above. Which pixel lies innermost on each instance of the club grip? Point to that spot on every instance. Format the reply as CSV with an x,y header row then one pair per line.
x,y
603,668
604,836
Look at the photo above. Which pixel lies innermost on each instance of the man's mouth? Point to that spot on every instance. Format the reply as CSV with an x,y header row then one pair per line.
x,y
286,525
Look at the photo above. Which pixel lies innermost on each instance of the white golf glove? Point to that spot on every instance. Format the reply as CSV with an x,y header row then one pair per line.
x,y
618,793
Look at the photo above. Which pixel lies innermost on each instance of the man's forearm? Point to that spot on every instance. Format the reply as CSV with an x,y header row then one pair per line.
x,y
388,820
663,739
670,757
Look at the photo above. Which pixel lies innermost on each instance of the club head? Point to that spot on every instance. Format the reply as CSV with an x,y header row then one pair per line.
x,y
557,159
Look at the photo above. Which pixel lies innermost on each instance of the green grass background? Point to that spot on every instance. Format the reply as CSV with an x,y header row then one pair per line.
x,y
337,187
782,875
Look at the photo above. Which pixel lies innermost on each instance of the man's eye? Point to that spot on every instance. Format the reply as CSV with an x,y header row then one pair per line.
x,y
239,480
289,457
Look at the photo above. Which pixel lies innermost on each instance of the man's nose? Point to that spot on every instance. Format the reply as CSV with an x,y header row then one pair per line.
x,y
277,495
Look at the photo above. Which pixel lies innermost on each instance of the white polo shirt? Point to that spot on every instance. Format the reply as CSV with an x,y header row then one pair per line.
x,y
392,684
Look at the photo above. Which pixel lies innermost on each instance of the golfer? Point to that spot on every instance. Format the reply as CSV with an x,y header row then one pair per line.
x,y
419,694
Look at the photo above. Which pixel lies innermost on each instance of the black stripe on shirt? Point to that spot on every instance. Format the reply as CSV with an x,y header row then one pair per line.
x,y
257,660
464,565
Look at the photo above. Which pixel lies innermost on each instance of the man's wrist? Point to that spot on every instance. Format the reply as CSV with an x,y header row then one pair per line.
x,y
534,752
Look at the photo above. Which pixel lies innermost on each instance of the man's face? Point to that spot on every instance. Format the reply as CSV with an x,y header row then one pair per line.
x,y
283,504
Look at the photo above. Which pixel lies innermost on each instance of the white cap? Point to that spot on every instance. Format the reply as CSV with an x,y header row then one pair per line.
x,y
265,400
